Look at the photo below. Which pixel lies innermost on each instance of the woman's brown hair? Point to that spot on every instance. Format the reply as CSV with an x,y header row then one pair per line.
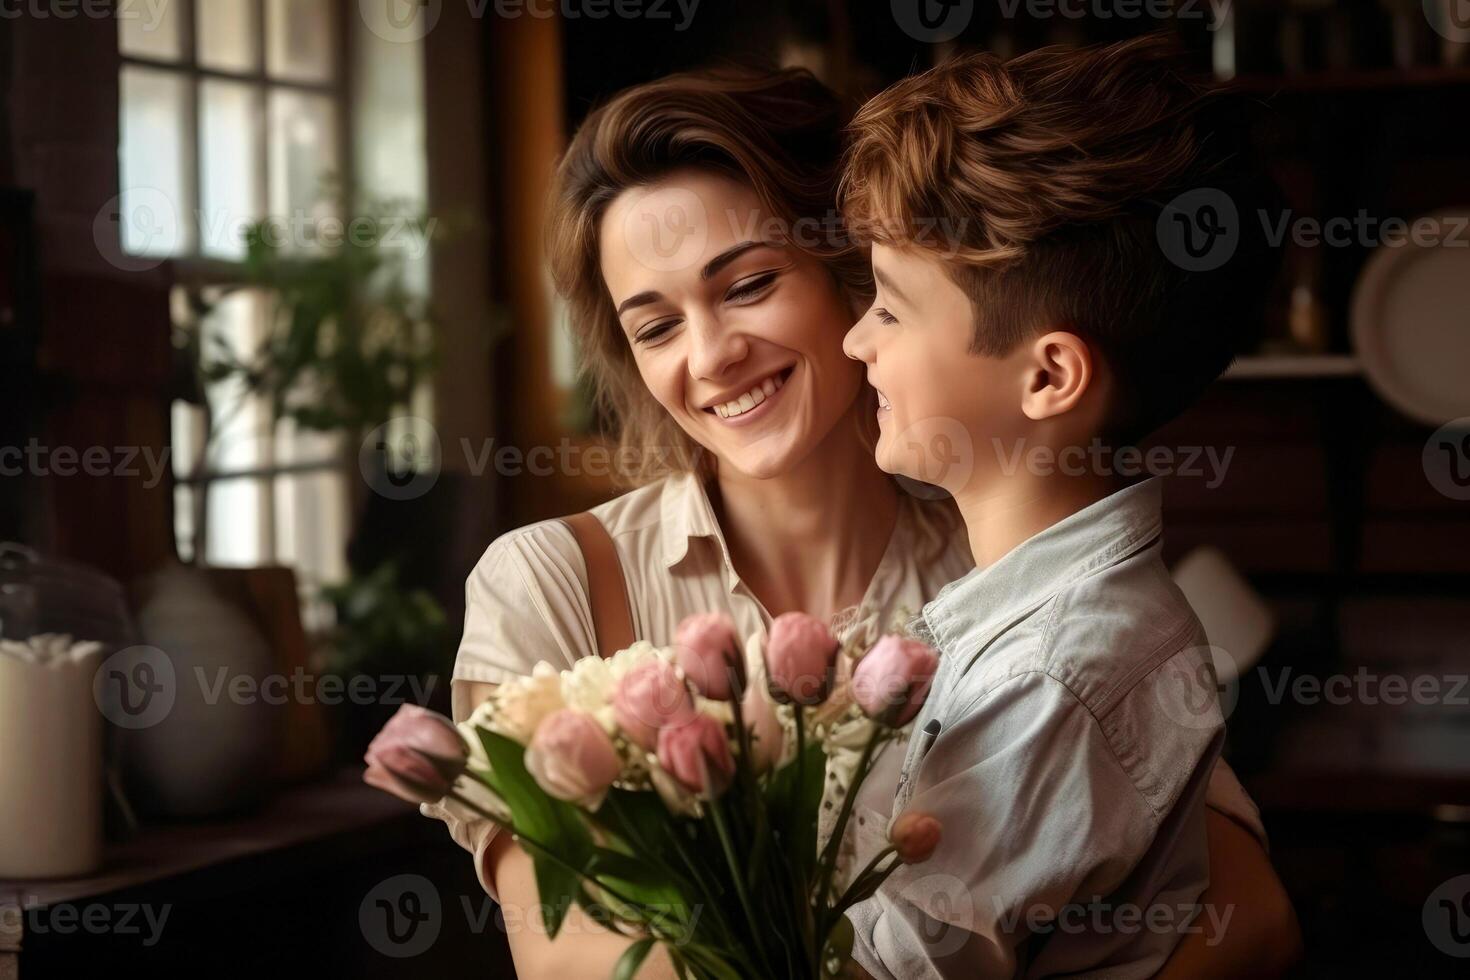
x,y
778,132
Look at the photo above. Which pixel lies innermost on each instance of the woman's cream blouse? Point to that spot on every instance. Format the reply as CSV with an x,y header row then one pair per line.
x,y
526,601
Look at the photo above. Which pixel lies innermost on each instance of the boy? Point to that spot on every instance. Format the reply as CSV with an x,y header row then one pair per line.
x,y
1032,310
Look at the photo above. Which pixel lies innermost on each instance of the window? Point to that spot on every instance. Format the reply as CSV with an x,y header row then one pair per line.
x,y
233,111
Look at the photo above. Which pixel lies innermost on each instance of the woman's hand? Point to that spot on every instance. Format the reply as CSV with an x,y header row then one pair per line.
x,y
1260,938
583,947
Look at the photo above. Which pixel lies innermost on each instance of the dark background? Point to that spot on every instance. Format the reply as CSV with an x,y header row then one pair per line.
x,y
1325,510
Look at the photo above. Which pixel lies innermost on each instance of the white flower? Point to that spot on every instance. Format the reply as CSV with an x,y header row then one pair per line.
x,y
588,685
517,706
641,652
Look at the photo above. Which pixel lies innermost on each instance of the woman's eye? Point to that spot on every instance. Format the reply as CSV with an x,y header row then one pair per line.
x,y
656,330
884,316
746,288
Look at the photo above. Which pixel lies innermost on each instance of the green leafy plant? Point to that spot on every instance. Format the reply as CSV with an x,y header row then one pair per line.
x,y
383,628
348,340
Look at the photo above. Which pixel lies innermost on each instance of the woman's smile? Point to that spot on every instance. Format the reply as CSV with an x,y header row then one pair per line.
x,y
756,402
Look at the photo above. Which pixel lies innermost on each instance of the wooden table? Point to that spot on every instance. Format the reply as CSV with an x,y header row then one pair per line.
x,y
333,835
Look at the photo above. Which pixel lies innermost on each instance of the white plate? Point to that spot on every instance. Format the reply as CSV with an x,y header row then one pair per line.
x,y
1411,322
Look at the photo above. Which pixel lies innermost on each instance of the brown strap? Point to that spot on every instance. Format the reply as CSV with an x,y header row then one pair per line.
x,y
607,593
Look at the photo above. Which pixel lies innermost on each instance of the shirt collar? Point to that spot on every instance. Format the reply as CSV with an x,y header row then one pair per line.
x,y
971,609
686,513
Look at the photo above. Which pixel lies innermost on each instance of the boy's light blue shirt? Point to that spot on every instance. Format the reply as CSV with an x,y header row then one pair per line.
x,y
1077,727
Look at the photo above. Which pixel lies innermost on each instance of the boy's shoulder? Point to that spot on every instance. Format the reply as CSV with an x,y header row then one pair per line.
x,y
1130,651
1105,634
1100,633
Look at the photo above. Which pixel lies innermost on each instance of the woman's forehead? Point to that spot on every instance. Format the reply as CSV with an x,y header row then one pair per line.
x,y
679,224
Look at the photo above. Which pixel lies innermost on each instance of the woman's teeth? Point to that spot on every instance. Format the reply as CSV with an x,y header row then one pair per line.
x,y
750,399
883,402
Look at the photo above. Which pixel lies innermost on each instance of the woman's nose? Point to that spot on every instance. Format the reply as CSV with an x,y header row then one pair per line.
x,y
714,347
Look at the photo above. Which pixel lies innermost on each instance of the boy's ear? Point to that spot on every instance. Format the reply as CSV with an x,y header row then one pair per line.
x,y
1059,373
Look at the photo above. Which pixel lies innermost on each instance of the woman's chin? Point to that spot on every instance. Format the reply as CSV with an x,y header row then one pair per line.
x,y
766,459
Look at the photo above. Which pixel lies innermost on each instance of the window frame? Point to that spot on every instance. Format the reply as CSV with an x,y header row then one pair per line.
x,y
194,269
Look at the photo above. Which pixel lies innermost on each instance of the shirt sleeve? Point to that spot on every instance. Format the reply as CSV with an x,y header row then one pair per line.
x,y
1037,815
525,601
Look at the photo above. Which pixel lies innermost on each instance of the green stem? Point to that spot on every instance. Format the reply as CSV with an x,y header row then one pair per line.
x,y
800,761
844,903
697,873
716,813
543,851
839,829
743,771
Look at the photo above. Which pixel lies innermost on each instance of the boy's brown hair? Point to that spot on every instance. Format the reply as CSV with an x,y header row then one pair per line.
x,y
1042,180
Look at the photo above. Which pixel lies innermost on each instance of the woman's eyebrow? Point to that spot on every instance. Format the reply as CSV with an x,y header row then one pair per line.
x,y
729,255
639,299
711,268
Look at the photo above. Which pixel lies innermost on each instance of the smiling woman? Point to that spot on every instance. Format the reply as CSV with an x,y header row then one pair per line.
x,y
709,182
737,350
710,322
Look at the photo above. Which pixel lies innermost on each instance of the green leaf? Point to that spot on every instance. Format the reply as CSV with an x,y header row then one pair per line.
x,y
837,950
561,842
793,808
632,959
710,961
645,883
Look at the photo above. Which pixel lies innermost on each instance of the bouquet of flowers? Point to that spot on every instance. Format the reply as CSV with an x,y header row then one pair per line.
x,y
673,793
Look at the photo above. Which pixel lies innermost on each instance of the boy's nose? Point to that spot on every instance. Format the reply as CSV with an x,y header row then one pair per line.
x,y
855,345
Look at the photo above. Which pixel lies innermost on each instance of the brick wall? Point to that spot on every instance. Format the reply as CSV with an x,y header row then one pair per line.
x,y
103,358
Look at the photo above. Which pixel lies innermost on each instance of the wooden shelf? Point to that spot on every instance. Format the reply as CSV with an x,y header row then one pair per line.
x,y
338,810
1265,367
1433,796
1354,80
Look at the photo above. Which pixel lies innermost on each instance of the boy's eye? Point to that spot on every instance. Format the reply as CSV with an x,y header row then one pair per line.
x,y
884,316
747,288
654,331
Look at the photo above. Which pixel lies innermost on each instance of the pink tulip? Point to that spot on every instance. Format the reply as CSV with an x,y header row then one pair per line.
x,y
417,756
800,655
914,836
709,653
572,758
766,735
695,749
892,679
649,697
